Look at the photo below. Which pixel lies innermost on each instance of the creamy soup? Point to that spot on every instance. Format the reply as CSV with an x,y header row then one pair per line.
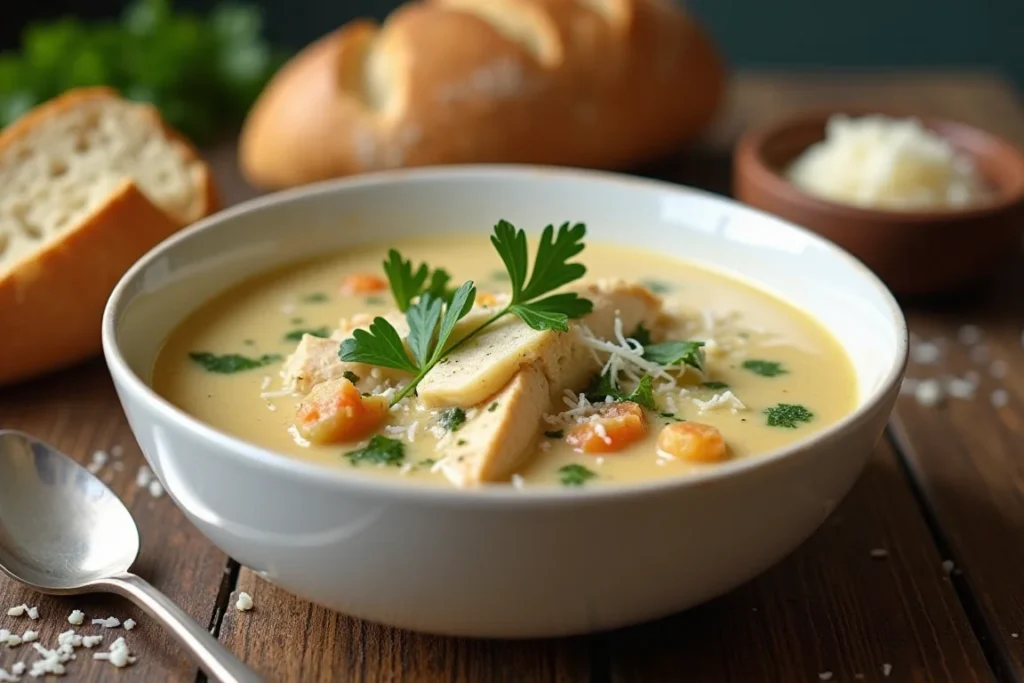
x,y
261,362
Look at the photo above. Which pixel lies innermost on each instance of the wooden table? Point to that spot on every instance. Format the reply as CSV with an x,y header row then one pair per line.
x,y
917,577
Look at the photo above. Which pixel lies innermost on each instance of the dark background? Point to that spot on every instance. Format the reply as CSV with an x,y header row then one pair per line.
x,y
758,33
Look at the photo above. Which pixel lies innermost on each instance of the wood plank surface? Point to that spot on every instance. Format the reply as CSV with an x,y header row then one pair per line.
x,y
77,411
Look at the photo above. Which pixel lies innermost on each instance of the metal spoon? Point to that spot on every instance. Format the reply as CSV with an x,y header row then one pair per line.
x,y
63,532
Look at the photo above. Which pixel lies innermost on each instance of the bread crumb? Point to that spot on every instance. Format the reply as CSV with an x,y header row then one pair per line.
x,y
244,602
76,617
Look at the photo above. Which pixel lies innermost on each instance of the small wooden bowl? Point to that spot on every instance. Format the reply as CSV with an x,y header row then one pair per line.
x,y
914,252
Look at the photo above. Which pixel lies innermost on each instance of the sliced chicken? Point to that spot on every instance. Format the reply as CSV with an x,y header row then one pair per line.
x,y
496,442
487,362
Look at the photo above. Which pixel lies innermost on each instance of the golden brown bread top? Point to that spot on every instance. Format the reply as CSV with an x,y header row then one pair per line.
x,y
588,82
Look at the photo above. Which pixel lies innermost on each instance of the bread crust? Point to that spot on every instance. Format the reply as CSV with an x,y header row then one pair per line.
x,y
456,84
52,301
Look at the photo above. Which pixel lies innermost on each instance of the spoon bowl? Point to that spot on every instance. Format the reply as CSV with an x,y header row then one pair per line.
x,y
63,532
62,548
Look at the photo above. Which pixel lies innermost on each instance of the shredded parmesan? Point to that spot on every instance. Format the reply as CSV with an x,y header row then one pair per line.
x,y
725,399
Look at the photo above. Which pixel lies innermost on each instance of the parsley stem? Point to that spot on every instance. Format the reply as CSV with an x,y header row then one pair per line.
x,y
430,366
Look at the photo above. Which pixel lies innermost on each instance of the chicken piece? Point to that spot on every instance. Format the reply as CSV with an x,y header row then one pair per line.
x,y
487,362
495,443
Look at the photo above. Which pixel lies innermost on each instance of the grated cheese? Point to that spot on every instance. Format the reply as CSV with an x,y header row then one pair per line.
x,y
726,398
119,655
99,459
244,602
929,392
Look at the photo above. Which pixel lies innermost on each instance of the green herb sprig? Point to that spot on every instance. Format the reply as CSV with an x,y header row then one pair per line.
x,y
604,386
433,315
379,451
575,475
787,415
230,363
765,368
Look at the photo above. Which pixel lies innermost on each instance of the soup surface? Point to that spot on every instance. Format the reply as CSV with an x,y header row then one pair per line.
x,y
259,360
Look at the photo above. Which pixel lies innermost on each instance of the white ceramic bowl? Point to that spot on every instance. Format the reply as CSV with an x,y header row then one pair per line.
x,y
501,563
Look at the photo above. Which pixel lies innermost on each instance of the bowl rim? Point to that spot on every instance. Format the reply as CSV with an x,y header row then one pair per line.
x,y
252,455
750,162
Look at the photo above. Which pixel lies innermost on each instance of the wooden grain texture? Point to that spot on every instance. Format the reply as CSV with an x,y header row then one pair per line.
x,y
77,411
831,610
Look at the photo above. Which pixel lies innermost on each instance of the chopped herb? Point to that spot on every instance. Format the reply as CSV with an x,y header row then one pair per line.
x,y
231,362
297,321
491,408
575,475
379,451
296,335
555,434
374,300
432,320
460,442
350,376
452,418
657,286
642,335
765,368
714,385
315,298
605,386
787,415
677,353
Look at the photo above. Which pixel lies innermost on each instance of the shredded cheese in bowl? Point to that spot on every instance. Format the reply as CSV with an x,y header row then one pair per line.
x,y
882,162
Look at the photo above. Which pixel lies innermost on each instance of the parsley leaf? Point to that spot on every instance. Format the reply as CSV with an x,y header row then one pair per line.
x,y
787,415
452,418
575,475
765,368
379,451
407,284
231,363
551,270
606,386
677,353
423,317
296,335
380,345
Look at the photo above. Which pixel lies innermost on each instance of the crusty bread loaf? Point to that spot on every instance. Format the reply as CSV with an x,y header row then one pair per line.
x,y
88,183
599,83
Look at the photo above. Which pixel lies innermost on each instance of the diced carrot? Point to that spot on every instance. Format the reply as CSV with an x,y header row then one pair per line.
x,y
362,283
334,412
692,442
485,299
614,428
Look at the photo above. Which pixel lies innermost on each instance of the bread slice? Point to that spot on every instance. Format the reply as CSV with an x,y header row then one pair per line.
x,y
89,182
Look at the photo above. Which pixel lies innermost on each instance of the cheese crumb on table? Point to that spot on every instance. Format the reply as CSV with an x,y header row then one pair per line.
x,y
109,622
879,553
91,641
17,611
33,613
129,624
29,636
119,654
929,392
18,668
886,669
244,602
76,617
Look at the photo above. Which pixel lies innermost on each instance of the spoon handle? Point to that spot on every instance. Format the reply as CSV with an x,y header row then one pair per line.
x,y
218,663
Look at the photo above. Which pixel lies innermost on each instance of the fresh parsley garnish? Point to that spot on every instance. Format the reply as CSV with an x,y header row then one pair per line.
x,y
379,451
605,386
296,335
714,385
642,335
532,300
555,434
765,368
452,418
575,475
432,317
407,284
315,298
787,415
230,363
350,376
677,353
657,286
